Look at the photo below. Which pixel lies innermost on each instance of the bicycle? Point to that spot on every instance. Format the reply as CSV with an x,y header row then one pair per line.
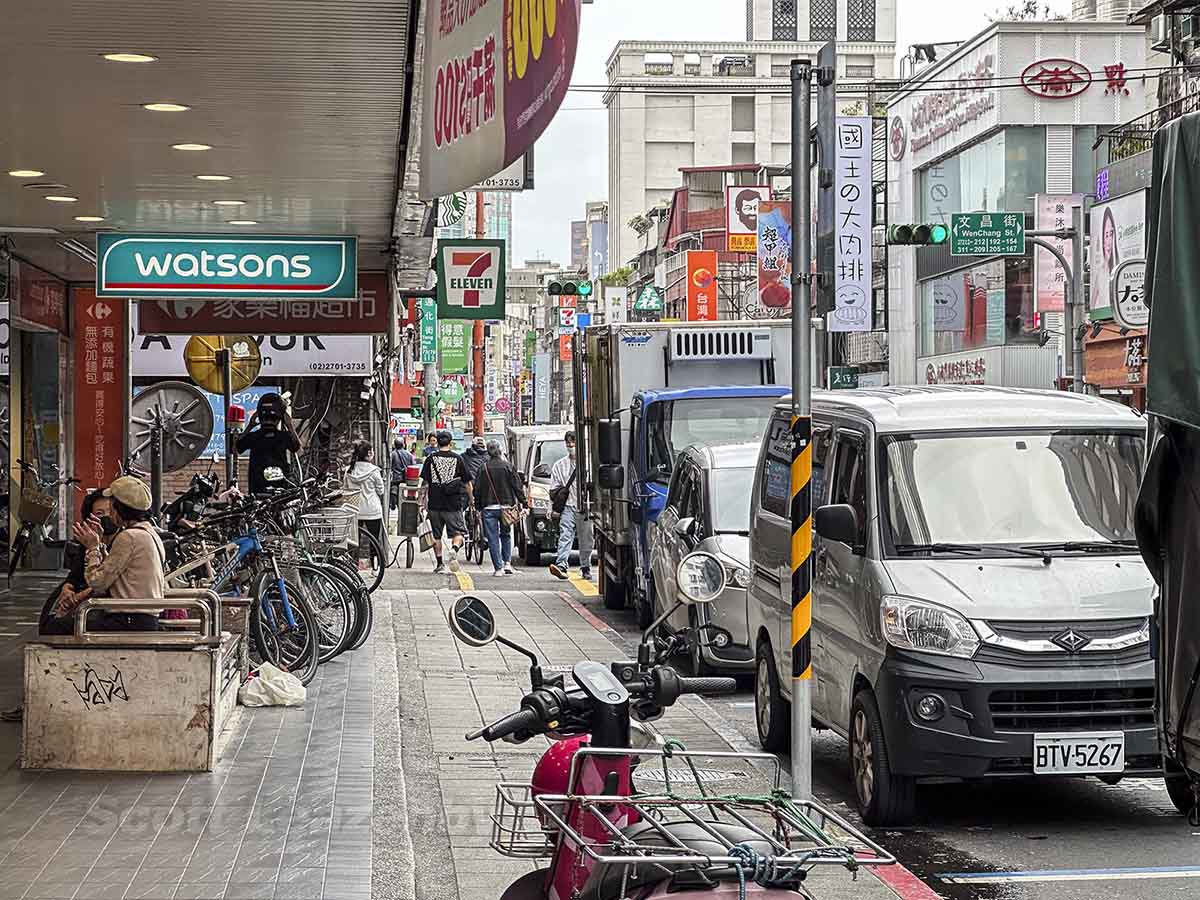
x,y
475,540
39,503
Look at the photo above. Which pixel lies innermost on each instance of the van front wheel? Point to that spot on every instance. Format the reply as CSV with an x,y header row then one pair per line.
x,y
771,712
884,798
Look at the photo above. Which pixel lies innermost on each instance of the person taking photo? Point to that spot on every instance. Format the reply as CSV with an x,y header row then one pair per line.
x,y
270,438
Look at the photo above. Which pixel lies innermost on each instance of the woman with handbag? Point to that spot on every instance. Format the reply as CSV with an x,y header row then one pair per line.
x,y
501,502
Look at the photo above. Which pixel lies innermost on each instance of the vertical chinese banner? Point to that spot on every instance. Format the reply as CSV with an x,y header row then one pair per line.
x,y
1053,213
453,344
774,256
701,285
852,307
101,353
429,332
564,348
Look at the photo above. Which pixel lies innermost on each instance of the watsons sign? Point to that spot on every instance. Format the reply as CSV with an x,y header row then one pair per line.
x,y
199,265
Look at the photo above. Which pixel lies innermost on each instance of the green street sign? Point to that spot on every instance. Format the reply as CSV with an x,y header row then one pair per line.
x,y
226,265
428,307
987,234
649,300
452,342
452,392
843,378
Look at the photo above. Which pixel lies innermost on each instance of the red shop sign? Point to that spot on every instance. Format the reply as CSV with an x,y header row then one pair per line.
x,y
1056,79
41,299
366,314
101,411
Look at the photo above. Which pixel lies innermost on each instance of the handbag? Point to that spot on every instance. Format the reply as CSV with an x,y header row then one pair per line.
x,y
425,535
561,494
509,515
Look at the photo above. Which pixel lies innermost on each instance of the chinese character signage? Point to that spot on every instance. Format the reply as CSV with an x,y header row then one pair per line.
x,y
852,310
1053,212
365,314
101,407
39,298
470,275
774,256
701,285
429,331
741,216
496,72
1128,294
283,355
564,348
616,304
649,300
452,342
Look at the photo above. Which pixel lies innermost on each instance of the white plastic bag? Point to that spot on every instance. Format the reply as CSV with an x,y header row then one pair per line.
x,y
272,687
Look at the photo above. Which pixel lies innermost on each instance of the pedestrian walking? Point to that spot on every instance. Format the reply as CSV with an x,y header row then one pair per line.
x,y
501,502
445,493
476,456
564,494
430,445
400,460
366,480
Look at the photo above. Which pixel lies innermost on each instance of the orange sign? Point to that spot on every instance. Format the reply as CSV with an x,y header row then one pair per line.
x,y
702,285
564,347
101,414
567,300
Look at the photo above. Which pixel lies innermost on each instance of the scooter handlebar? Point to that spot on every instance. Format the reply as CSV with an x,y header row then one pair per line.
x,y
523,720
708,685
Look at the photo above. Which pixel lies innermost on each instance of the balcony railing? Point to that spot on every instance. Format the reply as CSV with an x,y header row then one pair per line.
x,y
1137,135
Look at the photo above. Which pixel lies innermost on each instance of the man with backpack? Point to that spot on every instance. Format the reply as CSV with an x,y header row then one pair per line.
x,y
564,500
445,493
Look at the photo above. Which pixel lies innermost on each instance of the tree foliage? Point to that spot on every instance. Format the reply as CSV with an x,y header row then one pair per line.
x,y
1026,11
617,277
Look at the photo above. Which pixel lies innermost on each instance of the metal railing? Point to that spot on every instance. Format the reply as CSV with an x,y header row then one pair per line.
x,y
1137,135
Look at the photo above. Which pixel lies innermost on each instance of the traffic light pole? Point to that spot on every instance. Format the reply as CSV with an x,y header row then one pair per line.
x,y
1072,296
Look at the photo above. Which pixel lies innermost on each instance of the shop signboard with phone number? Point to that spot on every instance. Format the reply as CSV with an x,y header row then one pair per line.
x,y
161,356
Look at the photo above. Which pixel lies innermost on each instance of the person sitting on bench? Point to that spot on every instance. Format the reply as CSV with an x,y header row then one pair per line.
x,y
130,567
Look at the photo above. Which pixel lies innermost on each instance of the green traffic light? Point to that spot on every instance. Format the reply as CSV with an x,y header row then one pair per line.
x,y
938,234
584,288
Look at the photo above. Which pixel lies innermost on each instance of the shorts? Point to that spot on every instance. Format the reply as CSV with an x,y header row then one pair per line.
x,y
451,521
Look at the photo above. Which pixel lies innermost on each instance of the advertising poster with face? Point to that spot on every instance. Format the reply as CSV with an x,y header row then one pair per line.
x,y
1118,233
741,216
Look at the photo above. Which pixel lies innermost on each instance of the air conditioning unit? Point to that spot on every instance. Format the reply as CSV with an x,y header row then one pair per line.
x,y
698,344
1160,34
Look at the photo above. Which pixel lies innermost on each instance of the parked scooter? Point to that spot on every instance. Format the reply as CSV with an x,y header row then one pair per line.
x,y
618,821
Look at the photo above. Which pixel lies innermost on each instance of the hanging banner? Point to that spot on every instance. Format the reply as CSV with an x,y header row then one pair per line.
x,y
701,285
852,309
452,340
598,242
496,72
741,216
39,299
774,255
564,348
541,388
616,304
1053,212
470,275
101,410
429,330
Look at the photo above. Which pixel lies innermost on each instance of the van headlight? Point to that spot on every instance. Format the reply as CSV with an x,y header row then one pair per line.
x,y
912,624
540,497
737,576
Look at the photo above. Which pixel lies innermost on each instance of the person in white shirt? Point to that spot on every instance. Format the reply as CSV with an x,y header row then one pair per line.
x,y
570,523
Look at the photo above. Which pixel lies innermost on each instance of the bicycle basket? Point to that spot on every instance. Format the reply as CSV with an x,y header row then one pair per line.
x,y
329,527
37,506
285,550
517,829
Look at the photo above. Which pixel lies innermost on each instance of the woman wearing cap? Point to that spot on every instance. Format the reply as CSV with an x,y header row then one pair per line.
x,y
131,568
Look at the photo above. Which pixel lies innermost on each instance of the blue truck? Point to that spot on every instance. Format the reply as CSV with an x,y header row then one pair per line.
x,y
670,385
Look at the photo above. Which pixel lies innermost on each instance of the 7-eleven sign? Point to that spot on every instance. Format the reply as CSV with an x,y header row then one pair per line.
x,y
470,276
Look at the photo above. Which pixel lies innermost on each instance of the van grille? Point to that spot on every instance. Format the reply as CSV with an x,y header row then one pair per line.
x,y
1075,709
719,343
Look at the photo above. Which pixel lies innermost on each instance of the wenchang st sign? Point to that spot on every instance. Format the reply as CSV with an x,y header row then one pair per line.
x,y
213,265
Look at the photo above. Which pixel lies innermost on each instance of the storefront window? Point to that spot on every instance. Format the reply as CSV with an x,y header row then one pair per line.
x,y
1083,163
983,306
1000,174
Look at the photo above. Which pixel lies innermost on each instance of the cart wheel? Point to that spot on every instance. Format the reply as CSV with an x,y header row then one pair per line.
x,y
410,554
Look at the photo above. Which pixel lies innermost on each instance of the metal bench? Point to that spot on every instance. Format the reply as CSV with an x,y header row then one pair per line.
x,y
133,701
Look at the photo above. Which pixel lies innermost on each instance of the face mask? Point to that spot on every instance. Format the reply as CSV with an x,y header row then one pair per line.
x,y
109,526
571,452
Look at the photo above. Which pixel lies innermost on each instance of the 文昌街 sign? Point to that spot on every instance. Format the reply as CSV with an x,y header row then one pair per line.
x,y
213,265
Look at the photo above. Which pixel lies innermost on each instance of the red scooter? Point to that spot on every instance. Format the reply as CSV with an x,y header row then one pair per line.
x,y
621,821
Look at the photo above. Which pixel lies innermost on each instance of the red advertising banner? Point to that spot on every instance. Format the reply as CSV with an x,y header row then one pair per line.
x,y
41,299
564,348
701,285
369,313
101,412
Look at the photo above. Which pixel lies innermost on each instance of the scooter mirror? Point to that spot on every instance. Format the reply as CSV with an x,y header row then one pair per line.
x,y
701,578
472,622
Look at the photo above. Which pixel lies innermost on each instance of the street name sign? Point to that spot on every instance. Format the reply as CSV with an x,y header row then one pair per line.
x,y
987,234
214,265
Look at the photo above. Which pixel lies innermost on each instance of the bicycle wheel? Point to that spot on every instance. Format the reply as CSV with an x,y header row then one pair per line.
x,y
333,607
479,545
369,560
366,619
292,648
360,600
410,554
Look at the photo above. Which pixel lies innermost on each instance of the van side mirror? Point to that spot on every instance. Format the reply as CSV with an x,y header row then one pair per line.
x,y
541,470
608,441
686,527
838,522
611,477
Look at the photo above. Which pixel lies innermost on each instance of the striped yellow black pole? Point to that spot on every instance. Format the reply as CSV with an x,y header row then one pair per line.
x,y
801,517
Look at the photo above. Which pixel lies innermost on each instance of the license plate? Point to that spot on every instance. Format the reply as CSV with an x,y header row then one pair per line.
x,y
1078,754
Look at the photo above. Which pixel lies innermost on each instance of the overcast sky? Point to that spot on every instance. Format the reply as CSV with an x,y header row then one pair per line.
x,y
572,156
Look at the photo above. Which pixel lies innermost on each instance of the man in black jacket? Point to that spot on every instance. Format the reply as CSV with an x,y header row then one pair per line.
x,y
475,456
497,489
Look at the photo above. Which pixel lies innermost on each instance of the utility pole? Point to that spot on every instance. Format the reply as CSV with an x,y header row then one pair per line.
x,y
801,497
477,338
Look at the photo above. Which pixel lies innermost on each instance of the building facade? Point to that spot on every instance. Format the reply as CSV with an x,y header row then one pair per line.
x,y
579,248
1012,132
675,104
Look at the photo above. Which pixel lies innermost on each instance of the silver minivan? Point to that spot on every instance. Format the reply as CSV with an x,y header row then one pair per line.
x,y
979,606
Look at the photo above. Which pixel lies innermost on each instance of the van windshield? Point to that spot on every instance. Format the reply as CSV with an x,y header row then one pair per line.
x,y
675,425
547,453
1011,488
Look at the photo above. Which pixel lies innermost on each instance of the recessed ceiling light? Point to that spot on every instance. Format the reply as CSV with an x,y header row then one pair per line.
x,y
62,198
26,173
44,186
129,57
229,203
241,222
191,146
89,218
165,107
213,177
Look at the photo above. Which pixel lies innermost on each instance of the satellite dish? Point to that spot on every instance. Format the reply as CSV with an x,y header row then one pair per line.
x,y
200,356
185,417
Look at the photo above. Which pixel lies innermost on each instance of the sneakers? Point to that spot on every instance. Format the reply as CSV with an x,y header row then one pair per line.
x,y
499,573
586,573
508,569
557,572
454,560
439,569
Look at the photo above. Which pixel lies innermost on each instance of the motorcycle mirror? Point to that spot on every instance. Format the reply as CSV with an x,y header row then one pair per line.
x,y
701,578
472,622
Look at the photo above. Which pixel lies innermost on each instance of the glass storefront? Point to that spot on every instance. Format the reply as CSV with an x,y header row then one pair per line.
x,y
1001,173
985,305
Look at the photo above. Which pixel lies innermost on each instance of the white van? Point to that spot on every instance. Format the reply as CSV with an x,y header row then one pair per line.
x,y
980,609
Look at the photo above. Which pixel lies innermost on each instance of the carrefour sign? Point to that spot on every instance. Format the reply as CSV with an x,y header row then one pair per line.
x,y
214,265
